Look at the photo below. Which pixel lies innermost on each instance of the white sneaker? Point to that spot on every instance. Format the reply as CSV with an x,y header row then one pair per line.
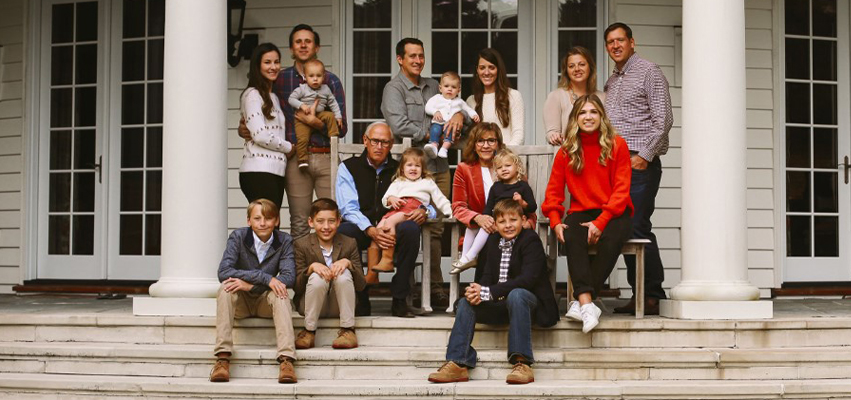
x,y
430,150
590,317
573,311
443,153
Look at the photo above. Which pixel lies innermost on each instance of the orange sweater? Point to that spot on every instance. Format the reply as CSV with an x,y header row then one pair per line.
x,y
598,186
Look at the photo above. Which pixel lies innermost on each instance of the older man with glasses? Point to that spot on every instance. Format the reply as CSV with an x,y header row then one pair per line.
x,y
361,183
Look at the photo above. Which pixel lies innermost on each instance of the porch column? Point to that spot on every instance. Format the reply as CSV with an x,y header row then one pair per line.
x,y
714,168
194,215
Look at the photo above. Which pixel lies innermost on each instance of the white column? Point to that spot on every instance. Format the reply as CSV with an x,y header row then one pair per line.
x,y
714,168
194,215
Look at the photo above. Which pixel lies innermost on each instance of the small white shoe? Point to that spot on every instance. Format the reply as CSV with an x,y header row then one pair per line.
x,y
443,153
460,265
590,316
430,150
573,311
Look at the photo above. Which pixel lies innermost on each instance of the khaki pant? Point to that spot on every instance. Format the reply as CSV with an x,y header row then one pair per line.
x,y
243,304
300,188
303,131
443,183
324,299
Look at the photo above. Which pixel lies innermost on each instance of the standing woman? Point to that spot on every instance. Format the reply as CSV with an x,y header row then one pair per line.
x,y
578,78
264,156
494,99
594,164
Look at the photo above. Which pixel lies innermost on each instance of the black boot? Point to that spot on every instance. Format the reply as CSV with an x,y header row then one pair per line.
x,y
362,306
400,309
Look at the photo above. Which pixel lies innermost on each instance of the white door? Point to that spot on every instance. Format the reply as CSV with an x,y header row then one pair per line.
x,y
817,141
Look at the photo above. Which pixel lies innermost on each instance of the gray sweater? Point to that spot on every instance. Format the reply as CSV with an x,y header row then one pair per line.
x,y
304,94
240,260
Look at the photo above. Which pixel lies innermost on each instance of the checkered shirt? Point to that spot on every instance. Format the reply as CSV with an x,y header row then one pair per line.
x,y
639,105
288,80
506,246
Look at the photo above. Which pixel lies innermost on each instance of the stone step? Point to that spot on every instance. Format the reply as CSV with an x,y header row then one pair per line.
x,y
433,331
84,387
395,363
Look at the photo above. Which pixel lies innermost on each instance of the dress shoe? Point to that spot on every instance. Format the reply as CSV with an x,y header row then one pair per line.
x,y
400,309
346,339
221,371
651,306
305,339
287,372
459,266
439,299
628,308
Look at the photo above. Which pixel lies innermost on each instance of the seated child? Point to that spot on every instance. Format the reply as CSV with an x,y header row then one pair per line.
x,y
511,286
412,188
314,97
442,107
256,269
510,185
328,272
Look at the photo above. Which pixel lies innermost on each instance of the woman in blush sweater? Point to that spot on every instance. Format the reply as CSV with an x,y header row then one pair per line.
x,y
594,164
494,99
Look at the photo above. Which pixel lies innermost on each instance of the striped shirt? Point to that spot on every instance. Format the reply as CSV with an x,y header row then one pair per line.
x,y
639,105
504,261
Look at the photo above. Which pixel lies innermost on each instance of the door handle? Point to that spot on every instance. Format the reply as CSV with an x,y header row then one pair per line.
x,y
97,167
845,167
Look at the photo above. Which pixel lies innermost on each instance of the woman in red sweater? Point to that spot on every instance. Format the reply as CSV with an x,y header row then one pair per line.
x,y
594,164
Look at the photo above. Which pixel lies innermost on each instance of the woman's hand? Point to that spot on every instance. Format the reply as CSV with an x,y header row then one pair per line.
x,y
593,232
555,138
485,222
395,202
560,232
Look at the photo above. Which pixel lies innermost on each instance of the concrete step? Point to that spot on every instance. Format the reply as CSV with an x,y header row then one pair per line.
x,y
433,331
395,363
84,387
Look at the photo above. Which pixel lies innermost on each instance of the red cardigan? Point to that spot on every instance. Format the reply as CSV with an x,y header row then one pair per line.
x,y
468,195
596,187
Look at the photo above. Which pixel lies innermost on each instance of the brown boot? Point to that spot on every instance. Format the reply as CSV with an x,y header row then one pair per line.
x,y
287,374
520,375
305,339
448,373
346,339
221,371
386,263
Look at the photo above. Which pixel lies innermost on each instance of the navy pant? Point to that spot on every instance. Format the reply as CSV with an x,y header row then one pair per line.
x,y
516,310
645,185
405,255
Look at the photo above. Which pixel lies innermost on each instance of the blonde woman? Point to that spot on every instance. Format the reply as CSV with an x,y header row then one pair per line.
x,y
593,162
578,78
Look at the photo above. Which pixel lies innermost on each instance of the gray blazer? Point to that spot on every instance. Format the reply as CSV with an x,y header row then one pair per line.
x,y
240,260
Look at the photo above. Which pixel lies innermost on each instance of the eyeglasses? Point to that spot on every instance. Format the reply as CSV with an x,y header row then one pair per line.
x,y
380,143
490,142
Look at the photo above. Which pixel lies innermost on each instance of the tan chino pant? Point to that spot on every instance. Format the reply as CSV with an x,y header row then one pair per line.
x,y
244,304
300,188
324,299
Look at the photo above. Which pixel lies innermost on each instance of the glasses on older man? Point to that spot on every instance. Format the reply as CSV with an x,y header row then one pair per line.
x,y
489,141
380,143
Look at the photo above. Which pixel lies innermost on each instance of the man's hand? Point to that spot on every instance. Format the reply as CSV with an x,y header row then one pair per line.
x,y
473,293
304,108
339,266
309,119
233,285
395,202
638,162
485,222
438,116
322,270
593,233
418,216
560,231
454,125
243,131
380,237
555,138
278,287
312,110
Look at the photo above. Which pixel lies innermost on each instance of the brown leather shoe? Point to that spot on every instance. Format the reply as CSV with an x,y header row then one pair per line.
x,y
651,306
449,372
221,371
400,309
520,375
305,339
346,339
628,308
287,374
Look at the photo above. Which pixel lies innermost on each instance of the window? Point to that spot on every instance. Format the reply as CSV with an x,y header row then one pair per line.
x,y
577,25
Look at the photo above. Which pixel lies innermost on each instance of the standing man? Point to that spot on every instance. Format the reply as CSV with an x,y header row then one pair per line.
x,y
639,105
361,183
403,106
304,46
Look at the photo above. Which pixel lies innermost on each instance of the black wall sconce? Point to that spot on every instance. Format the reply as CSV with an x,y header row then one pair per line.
x,y
247,43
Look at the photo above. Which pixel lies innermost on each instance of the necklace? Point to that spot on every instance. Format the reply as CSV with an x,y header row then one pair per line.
x,y
573,95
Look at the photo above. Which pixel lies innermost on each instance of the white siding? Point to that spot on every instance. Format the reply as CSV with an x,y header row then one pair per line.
x,y
11,126
655,27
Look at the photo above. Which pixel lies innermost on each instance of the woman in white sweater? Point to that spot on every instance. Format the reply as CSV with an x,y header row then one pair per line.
x,y
578,78
264,156
494,99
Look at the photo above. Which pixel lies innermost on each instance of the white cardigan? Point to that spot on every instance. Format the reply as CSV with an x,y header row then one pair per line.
x,y
513,133
266,151
424,190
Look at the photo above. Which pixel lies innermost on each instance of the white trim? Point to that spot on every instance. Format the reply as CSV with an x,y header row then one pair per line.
x,y
779,111
29,154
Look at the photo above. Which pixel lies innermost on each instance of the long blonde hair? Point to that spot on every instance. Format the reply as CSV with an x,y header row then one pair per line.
x,y
573,144
415,153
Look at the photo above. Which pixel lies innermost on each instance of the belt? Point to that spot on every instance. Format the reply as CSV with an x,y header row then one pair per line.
x,y
318,149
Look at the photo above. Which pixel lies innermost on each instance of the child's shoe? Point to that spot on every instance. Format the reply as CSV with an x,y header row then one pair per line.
x,y
430,150
443,153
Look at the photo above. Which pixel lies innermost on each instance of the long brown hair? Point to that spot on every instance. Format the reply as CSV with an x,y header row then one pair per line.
x,y
503,108
572,142
469,154
591,83
415,153
258,81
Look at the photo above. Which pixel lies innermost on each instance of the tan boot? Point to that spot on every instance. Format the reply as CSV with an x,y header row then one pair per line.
x,y
448,373
221,371
373,252
305,339
520,375
287,373
386,263
346,339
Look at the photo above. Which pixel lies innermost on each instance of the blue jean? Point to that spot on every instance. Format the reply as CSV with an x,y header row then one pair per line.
x,y
435,131
516,310
645,185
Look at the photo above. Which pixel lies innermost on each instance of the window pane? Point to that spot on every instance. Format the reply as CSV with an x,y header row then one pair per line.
x,y
824,104
824,60
373,52
130,241
87,21
59,199
84,192
444,14
797,50
61,65
797,147
133,61
798,236
131,191
471,44
474,14
798,102
367,98
85,106
134,18
503,14
132,104
373,13
156,17
155,59
153,241
796,21
824,148
84,235
62,26
132,145
153,194
58,234
506,44
60,150
798,191
576,13
155,103
155,147
444,58
825,194
466,87
824,18
827,236
84,149
60,108
86,61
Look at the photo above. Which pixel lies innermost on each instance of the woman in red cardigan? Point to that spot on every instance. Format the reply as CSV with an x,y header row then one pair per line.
x,y
594,164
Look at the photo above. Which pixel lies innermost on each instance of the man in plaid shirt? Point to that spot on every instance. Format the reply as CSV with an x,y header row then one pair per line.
x,y
639,105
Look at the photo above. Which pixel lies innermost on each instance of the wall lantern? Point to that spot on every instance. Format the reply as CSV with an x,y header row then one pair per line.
x,y
247,43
